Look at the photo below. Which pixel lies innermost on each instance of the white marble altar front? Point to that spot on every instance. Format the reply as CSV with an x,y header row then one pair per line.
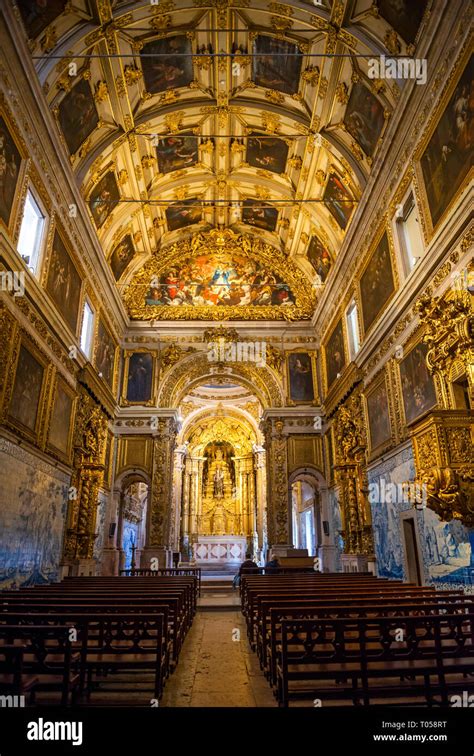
x,y
220,549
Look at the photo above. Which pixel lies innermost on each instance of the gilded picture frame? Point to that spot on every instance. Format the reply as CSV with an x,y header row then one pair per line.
x,y
301,378
127,357
380,430
30,386
337,321
433,124
375,245
409,418
64,455
19,189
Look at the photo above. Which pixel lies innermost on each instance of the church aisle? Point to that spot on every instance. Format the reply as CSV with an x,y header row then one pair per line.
x,y
214,669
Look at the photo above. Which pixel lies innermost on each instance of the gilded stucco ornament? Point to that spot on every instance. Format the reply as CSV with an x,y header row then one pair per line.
x,y
220,243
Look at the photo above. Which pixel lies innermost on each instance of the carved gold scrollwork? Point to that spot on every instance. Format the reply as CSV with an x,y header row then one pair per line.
x,y
90,434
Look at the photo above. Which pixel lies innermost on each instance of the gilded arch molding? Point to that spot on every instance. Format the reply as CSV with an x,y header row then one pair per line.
x,y
190,371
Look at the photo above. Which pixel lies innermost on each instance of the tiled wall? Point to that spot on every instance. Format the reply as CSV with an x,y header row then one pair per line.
x,y
33,505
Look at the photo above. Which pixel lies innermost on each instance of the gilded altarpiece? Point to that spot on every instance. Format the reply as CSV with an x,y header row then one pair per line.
x,y
90,436
443,441
276,445
351,478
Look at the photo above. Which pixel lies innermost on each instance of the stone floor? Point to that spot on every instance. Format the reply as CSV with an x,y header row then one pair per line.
x,y
215,668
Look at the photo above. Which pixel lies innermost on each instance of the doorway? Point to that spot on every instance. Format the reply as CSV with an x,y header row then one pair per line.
x,y
412,559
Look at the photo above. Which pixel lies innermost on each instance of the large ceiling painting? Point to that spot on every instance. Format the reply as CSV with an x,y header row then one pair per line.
x,y
364,118
267,152
177,152
167,63
219,271
276,64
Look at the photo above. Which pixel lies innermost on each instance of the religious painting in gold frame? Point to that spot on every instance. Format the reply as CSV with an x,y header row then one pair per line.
x,y
61,421
417,386
378,415
28,396
334,353
444,158
301,377
105,355
139,378
378,281
12,157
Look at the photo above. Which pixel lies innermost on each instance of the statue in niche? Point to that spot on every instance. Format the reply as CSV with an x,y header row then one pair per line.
x,y
219,483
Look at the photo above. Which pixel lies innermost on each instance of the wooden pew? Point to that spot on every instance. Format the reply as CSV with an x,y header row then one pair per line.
x,y
361,660
47,655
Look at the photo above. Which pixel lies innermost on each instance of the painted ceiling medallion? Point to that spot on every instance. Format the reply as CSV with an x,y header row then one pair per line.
x,y
219,275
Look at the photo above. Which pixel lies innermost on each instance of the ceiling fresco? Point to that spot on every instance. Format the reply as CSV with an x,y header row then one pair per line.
x,y
190,115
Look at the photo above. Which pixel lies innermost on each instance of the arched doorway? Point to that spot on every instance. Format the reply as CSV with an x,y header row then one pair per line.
x,y
304,503
132,522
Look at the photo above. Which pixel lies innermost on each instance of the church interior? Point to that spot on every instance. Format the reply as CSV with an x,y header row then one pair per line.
x,y
236,326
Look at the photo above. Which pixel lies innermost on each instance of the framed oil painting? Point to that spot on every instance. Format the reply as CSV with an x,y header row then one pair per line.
x,y
447,160
27,390
77,115
121,257
225,279
364,118
177,152
378,416
269,153
38,14
276,64
377,283
63,282
257,213
319,257
10,162
138,378
183,213
105,355
338,200
167,63
334,352
59,436
404,16
104,198
418,389
301,377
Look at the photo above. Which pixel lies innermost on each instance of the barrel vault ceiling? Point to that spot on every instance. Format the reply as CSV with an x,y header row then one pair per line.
x,y
187,115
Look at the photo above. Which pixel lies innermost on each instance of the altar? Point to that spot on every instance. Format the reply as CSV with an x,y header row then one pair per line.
x,y
220,549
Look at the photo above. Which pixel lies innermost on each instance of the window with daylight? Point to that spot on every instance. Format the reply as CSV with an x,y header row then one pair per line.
x,y
31,233
409,234
87,329
353,330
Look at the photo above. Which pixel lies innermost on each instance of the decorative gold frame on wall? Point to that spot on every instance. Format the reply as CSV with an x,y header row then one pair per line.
x,y
20,188
374,385
110,167
338,316
99,317
216,241
383,228
56,225
433,122
51,449
413,341
37,436
313,357
127,353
